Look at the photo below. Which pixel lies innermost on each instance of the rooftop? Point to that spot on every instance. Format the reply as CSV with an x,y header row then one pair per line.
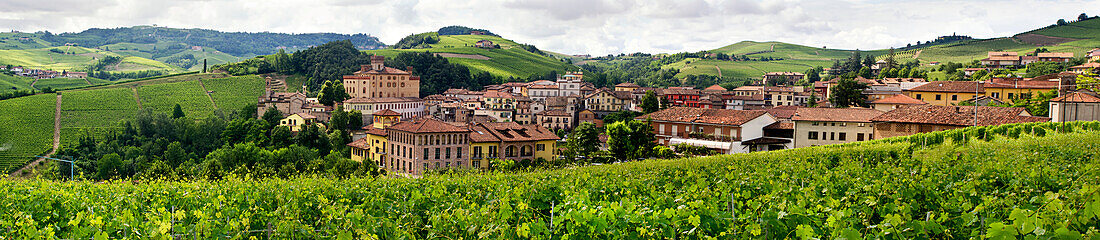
x,y
427,125
958,115
950,86
836,114
382,100
1083,96
898,99
704,115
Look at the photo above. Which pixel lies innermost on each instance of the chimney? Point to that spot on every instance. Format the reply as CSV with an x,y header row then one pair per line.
x,y
1068,82
409,69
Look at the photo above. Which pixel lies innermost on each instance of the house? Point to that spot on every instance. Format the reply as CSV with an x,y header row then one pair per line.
x,y
377,80
605,102
494,115
1093,55
786,96
781,77
555,119
1081,105
1055,57
748,90
540,92
946,93
485,44
570,84
683,97
512,140
1001,60
298,120
982,100
823,126
750,102
928,118
626,87
372,145
972,71
894,102
80,75
498,100
1011,89
590,117
726,131
426,144
1086,68
287,103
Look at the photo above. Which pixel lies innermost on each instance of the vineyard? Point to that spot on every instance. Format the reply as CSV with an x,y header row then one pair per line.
x,y
233,93
92,110
189,95
26,129
1029,181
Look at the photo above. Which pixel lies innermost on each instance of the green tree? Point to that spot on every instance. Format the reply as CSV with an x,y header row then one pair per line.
x,y
584,140
108,166
1036,69
339,119
1061,22
248,111
177,112
281,137
848,93
1082,17
812,102
272,116
355,120
813,75
332,92
630,140
650,103
175,154
865,72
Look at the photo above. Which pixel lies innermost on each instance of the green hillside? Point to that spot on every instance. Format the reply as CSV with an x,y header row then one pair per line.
x,y
510,60
1021,181
77,59
26,129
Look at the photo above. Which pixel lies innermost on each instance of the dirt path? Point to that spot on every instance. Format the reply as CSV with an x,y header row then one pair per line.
x,y
719,70
56,142
136,98
86,80
459,55
212,97
35,81
917,54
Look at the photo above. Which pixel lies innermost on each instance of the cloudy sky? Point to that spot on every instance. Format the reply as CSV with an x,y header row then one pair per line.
x,y
596,27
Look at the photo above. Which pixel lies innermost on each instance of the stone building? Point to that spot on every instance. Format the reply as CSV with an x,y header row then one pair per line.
x,y
377,80
426,144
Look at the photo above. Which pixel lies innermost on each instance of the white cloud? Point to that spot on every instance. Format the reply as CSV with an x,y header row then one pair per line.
x,y
573,26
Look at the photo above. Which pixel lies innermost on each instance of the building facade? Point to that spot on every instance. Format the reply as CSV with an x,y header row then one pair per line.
x,y
824,126
376,80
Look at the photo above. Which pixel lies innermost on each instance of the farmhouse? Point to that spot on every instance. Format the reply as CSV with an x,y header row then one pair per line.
x,y
485,44
927,118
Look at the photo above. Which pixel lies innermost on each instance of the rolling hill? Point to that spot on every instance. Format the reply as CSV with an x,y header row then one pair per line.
x,y
1077,37
509,60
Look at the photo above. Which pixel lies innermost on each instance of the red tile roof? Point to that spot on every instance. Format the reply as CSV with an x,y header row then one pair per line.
x,y
514,132
1056,55
427,125
1023,84
898,99
480,134
375,131
836,114
957,115
780,125
704,115
628,85
949,86
1079,97
782,112
362,143
715,87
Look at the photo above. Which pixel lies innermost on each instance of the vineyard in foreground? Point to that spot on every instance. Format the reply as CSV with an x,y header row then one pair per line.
x,y
1027,181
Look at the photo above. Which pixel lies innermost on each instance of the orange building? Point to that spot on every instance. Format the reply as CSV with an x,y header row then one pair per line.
x,y
377,80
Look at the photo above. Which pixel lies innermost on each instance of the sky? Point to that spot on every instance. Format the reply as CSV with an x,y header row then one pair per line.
x,y
596,27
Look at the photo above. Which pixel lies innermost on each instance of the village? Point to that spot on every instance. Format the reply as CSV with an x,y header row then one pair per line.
x,y
525,121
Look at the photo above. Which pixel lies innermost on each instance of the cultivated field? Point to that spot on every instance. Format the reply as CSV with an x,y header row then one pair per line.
x,y
26,129
508,61
189,95
233,93
94,109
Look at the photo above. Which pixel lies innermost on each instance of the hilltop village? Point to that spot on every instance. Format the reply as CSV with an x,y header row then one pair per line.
x,y
530,121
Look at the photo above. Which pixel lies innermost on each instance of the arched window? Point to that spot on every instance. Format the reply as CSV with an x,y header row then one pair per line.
x,y
510,151
526,151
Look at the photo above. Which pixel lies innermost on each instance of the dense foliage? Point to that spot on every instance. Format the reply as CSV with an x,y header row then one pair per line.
x,y
421,40
234,43
154,145
437,74
1002,182
462,30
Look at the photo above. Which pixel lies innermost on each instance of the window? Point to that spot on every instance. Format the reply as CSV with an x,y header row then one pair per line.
x,y
954,97
448,156
1009,95
937,97
812,136
832,136
436,164
458,152
843,136
458,163
862,124
437,153
540,147
425,153
813,123
476,164
425,166
859,136
918,96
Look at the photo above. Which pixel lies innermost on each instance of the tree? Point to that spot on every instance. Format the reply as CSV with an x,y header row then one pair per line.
x,y
890,62
848,93
1082,17
865,72
281,137
272,116
1036,69
108,166
248,111
868,61
650,102
1061,22
332,92
584,140
812,102
177,112
204,65
813,74
630,140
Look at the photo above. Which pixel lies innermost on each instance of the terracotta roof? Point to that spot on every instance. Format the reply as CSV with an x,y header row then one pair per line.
x,y
382,100
749,88
362,143
626,84
780,125
542,82
426,125
991,54
543,87
782,112
385,70
949,86
1079,97
498,95
1056,55
588,88
704,115
555,113
480,134
681,91
1006,83
957,115
456,91
900,80
836,114
1086,66
375,131
715,87
305,115
513,132
898,99
386,112
1003,58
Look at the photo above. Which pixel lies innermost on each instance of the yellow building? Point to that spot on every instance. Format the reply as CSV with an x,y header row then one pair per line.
x,y
1010,90
510,141
626,87
373,146
607,101
498,100
297,120
377,80
946,93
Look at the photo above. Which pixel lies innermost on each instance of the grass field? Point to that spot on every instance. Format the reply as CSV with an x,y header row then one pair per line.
x,y
189,95
233,93
508,61
295,82
9,41
78,60
66,83
26,129
94,109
